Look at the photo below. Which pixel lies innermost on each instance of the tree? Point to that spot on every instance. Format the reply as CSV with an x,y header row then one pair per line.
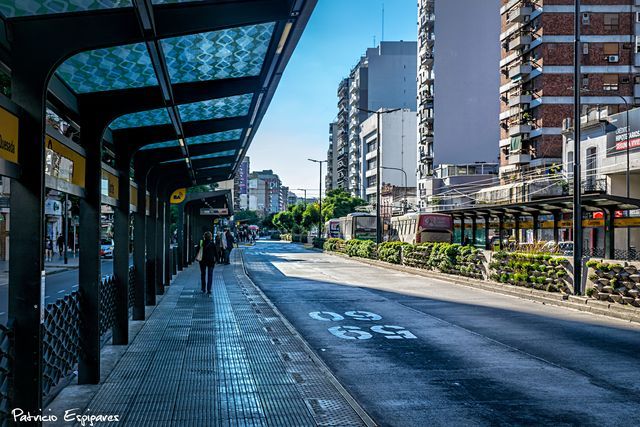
x,y
339,203
267,222
284,221
311,216
297,211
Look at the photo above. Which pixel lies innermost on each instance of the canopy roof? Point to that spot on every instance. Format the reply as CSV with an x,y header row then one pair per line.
x,y
210,84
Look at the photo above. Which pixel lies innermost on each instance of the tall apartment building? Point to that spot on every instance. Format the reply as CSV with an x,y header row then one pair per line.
x,y
458,81
537,74
331,178
397,152
266,186
241,186
383,78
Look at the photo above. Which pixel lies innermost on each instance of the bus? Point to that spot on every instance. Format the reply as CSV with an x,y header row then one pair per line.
x,y
421,228
358,226
332,228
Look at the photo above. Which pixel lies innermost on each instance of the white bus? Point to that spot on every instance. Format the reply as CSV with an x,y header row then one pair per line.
x,y
332,228
358,226
421,228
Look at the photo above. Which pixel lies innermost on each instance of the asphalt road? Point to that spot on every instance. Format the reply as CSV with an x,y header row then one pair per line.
x,y
423,352
56,286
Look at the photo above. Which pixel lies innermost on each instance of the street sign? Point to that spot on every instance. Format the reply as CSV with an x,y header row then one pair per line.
x,y
214,211
178,196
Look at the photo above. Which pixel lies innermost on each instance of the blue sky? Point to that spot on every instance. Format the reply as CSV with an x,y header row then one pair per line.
x,y
296,126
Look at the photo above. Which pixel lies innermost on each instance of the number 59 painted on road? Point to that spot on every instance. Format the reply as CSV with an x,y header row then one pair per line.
x,y
390,332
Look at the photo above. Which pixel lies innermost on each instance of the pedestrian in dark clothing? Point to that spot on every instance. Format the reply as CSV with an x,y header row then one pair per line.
x,y
219,250
207,263
60,243
229,246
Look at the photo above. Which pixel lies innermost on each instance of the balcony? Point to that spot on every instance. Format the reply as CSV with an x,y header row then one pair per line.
x,y
520,71
520,14
520,41
519,130
519,100
519,159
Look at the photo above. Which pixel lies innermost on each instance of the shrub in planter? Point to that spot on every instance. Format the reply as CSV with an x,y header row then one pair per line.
x,y
390,251
334,245
318,242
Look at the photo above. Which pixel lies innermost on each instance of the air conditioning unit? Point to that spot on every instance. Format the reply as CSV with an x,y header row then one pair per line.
x,y
625,80
613,58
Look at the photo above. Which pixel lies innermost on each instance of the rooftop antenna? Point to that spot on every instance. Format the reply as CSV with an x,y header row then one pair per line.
x,y
382,38
374,40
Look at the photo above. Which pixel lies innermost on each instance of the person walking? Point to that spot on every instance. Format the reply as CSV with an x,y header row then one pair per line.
x,y
230,240
60,244
219,250
49,249
207,254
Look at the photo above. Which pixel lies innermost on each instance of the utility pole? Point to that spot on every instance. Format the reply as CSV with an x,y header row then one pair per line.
x,y
320,162
577,177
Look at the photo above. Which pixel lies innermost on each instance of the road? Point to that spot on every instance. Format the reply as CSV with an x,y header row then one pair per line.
x,y
56,286
416,351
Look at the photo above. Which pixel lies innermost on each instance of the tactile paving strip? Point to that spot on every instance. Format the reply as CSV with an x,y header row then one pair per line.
x,y
225,360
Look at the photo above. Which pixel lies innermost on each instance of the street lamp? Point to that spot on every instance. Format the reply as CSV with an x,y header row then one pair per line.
x,y
404,204
577,177
628,177
378,167
320,162
305,195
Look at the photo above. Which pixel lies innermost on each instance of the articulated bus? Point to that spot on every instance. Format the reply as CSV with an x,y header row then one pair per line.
x,y
421,228
358,226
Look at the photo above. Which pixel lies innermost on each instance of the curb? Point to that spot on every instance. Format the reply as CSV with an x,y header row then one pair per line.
x,y
312,354
575,302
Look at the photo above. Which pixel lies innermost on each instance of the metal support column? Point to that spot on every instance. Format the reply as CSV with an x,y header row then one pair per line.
x,y
180,237
501,230
167,242
150,284
139,250
121,251
556,226
462,230
609,233
26,264
474,230
487,227
89,270
536,227
159,259
516,219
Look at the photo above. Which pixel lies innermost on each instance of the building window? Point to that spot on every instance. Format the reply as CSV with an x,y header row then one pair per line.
x,y
611,22
611,49
371,164
638,43
609,82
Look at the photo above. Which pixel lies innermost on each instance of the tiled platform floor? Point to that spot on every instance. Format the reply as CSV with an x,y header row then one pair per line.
x,y
225,360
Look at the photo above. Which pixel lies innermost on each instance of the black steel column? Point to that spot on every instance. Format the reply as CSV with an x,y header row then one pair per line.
x,y
150,284
139,250
180,237
501,230
167,241
26,299
160,246
536,228
462,224
89,271
516,219
121,250
556,226
487,226
474,230
609,233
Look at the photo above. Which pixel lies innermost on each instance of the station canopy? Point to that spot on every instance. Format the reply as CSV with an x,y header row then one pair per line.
x,y
246,59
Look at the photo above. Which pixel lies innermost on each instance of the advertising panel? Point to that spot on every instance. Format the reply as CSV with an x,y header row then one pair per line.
x,y
8,136
617,136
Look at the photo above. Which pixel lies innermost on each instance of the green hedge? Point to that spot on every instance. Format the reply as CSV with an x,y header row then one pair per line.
x,y
361,248
318,242
538,271
391,252
334,245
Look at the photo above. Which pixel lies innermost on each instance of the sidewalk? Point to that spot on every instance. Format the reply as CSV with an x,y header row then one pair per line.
x,y
226,360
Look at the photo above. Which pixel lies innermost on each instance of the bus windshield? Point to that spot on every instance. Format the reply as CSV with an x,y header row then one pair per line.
x,y
365,223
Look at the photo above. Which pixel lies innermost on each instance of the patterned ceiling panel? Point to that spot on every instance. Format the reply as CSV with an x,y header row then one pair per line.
x,y
230,135
230,53
17,8
214,155
143,118
232,106
119,67
166,144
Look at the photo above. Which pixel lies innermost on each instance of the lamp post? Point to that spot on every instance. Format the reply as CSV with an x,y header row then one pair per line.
x,y
305,195
577,177
628,176
378,168
406,180
320,162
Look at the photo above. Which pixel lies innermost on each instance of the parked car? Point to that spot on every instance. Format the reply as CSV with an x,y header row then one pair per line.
x,y
565,248
106,248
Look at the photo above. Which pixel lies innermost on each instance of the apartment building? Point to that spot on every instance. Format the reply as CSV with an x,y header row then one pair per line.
x,y
331,178
458,82
537,75
384,77
241,186
265,192
397,152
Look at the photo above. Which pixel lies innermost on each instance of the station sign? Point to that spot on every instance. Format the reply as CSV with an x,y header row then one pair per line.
x,y
63,163
109,184
178,196
214,211
8,136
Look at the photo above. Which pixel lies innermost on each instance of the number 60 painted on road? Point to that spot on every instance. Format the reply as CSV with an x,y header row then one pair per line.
x,y
329,316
